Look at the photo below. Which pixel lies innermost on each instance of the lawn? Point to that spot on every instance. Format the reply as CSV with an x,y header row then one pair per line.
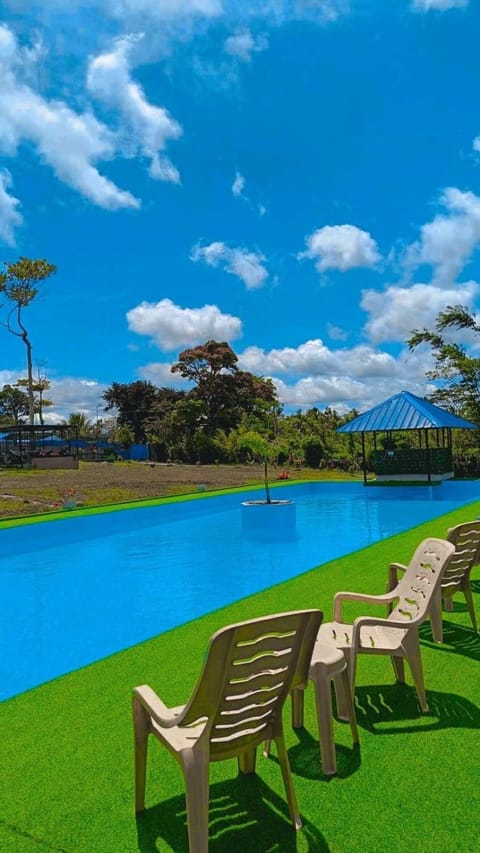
x,y
66,755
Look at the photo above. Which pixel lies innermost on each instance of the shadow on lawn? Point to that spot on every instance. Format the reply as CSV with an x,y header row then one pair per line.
x,y
459,639
244,814
305,760
382,709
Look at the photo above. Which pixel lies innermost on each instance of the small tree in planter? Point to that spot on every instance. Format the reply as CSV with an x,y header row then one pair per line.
x,y
264,448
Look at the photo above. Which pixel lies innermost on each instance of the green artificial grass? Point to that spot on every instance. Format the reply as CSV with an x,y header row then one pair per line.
x,y
66,781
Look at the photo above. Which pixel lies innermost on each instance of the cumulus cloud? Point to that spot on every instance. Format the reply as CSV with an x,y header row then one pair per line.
x,y
242,44
341,247
10,217
394,312
439,5
146,128
171,326
247,266
343,393
314,358
70,142
160,374
449,240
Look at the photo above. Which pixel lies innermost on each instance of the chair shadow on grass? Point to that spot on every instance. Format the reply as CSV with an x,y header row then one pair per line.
x,y
305,761
394,709
459,639
244,814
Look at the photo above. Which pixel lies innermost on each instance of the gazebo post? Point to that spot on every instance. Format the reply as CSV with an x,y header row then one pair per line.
x,y
364,460
427,452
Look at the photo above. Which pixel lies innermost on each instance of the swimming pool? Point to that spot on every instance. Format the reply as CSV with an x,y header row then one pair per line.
x,y
78,589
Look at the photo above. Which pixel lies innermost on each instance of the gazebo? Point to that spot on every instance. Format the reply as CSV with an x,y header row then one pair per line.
x,y
405,411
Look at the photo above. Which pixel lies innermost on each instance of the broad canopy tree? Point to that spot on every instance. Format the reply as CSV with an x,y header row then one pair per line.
x,y
221,396
225,392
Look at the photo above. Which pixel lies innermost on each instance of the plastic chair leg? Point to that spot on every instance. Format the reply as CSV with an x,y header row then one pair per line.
x,y
467,591
288,782
195,769
398,668
247,761
436,617
140,729
323,698
298,702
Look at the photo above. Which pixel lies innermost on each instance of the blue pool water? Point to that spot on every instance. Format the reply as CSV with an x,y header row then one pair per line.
x,y
75,590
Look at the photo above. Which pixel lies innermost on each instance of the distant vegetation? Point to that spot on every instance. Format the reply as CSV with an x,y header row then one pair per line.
x,y
211,421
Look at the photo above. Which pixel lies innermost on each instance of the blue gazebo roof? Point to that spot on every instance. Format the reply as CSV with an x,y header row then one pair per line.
x,y
405,411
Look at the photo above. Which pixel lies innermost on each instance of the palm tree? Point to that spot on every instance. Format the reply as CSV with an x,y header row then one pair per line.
x,y
80,422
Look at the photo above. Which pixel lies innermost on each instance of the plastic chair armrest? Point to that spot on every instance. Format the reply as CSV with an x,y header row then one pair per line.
x,y
393,570
157,709
358,596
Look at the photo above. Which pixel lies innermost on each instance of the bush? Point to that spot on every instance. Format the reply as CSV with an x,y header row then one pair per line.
x,y
313,451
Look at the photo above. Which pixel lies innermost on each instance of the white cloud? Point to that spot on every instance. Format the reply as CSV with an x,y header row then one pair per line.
x,y
395,312
341,247
343,394
439,5
238,185
313,358
476,144
71,143
146,128
10,218
335,333
159,373
238,188
242,44
171,327
449,240
248,266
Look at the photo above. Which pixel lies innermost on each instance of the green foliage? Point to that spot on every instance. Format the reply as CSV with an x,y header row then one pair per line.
x,y
313,451
13,406
457,372
133,402
124,437
81,423
263,449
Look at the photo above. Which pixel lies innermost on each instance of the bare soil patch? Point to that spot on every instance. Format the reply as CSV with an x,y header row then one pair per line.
x,y
95,483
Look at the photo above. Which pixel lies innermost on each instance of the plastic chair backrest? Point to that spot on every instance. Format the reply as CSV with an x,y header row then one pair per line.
x,y
421,579
466,538
247,675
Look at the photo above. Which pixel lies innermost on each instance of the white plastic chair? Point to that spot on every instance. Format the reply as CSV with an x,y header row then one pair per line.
x,y
236,705
456,578
397,634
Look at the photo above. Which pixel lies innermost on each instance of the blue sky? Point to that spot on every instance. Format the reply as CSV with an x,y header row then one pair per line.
x,y
298,177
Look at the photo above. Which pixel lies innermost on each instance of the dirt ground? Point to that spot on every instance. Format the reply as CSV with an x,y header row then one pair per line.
x,y
27,492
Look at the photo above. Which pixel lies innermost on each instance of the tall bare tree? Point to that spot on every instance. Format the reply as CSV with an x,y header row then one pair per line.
x,y
19,283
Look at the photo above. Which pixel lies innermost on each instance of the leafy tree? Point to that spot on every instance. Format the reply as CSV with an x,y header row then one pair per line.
x,y
124,437
13,405
226,393
134,402
206,365
458,372
19,283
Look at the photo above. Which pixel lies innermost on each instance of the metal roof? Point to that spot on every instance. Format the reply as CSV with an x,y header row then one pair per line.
x,y
405,411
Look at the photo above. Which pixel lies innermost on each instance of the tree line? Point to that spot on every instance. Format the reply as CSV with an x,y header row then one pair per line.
x,y
208,422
